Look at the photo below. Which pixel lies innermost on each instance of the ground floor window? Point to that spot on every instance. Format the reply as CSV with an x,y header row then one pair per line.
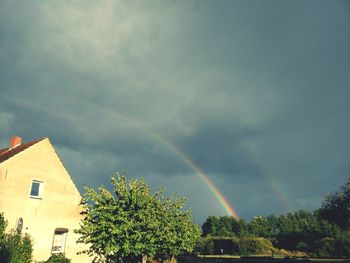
x,y
59,240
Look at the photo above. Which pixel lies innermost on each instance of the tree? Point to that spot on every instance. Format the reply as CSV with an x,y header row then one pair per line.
x,y
224,226
239,227
210,226
178,234
336,207
260,227
132,223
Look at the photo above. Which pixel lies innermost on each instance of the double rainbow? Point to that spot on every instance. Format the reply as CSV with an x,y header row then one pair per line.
x,y
181,155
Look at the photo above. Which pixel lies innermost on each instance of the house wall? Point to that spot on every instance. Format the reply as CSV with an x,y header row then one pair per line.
x,y
58,207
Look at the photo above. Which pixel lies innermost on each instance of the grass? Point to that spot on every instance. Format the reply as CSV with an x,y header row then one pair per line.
x,y
256,259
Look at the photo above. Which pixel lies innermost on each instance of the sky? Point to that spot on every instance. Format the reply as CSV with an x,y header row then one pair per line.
x,y
251,96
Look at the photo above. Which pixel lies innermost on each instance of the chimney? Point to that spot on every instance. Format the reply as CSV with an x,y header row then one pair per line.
x,y
15,141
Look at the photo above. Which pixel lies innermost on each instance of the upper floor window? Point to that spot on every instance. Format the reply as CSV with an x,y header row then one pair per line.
x,y
37,188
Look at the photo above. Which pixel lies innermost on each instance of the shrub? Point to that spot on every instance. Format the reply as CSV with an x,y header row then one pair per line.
x,y
334,247
287,253
255,246
325,247
15,248
204,246
58,258
302,246
3,224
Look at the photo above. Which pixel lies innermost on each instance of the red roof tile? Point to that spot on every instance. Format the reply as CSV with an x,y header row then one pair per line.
x,y
7,153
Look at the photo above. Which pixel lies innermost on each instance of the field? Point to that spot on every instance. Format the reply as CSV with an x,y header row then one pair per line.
x,y
233,259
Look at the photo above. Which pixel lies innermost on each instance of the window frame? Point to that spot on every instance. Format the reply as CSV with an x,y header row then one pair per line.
x,y
64,233
40,190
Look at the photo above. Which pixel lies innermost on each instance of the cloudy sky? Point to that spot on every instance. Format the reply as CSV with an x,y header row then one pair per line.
x,y
254,93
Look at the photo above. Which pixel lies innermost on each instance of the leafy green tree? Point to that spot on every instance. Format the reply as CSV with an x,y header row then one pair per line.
x,y
324,232
336,207
224,226
132,223
259,226
240,227
211,226
178,234
272,221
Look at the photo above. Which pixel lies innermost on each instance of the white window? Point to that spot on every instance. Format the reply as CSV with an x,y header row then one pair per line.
x,y
37,188
59,240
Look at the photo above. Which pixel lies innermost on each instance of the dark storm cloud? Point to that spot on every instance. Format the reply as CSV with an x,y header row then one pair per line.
x,y
217,149
252,92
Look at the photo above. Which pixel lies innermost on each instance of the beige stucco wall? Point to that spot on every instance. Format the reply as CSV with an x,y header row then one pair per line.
x,y
58,208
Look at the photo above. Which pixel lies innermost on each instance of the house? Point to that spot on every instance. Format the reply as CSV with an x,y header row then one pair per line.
x,y
38,197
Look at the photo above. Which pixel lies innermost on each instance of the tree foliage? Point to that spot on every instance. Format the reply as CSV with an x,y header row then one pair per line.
x,y
131,222
324,232
14,247
336,207
204,246
224,226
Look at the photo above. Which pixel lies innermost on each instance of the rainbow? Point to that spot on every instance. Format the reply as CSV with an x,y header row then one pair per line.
x,y
213,188
262,171
182,156
259,166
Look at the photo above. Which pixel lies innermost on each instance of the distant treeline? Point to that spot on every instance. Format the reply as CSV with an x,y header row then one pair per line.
x,y
323,232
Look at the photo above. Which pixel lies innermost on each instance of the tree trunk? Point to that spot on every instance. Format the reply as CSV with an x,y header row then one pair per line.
x,y
144,259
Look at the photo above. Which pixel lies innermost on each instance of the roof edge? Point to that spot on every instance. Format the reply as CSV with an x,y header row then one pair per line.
x,y
7,153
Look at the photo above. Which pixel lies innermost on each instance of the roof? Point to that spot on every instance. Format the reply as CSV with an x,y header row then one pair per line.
x,y
7,153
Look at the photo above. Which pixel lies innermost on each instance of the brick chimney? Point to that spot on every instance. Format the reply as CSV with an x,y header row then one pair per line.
x,y
15,141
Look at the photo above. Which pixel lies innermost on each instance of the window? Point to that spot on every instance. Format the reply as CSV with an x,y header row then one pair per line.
x,y
59,240
37,188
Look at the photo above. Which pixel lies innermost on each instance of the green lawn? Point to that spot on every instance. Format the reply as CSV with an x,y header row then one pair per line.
x,y
237,259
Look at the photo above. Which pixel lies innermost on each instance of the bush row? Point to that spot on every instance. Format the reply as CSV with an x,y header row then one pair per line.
x,y
245,246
